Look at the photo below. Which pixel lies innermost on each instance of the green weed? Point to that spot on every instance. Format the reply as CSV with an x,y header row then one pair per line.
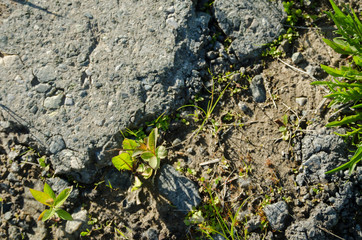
x,y
141,157
210,106
48,198
346,85
212,219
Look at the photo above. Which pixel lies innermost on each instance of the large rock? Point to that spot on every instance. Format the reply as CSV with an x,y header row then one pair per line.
x,y
180,190
321,151
250,23
86,69
277,215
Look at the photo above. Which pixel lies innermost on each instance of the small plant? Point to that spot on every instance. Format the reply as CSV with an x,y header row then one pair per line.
x,y
293,16
346,87
213,219
48,198
210,105
284,128
141,157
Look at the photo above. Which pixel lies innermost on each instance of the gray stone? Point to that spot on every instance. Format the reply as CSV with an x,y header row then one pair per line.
x,y
253,223
78,224
297,58
257,89
126,63
39,232
68,100
301,100
42,88
54,102
8,215
244,107
12,177
56,144
46,74
13,154
181,191
277,214
315,71
251,23
151,234
15,167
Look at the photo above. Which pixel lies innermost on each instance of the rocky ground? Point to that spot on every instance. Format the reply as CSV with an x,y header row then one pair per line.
x,y
240,153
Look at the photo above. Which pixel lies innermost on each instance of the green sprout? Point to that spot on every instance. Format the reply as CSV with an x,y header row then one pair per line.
x,y
48,198
142,158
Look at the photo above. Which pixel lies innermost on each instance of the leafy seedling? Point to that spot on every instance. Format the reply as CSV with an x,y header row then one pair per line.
x,y
142,158
48,198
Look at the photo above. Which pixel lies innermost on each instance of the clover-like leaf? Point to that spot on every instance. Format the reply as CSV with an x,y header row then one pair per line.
x,y
123,161
63,195
41,197
64,215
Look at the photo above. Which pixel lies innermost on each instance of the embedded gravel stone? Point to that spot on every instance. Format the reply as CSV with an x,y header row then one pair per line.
x,y
180,190
297,58
79,221
277,214
250,23
257,89
87,69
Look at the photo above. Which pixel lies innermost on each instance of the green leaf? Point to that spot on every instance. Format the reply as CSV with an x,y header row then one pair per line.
x,y
337,47
63,195
154,162
137,184
41,215
358,60
146,156
332,71
64,215
48,214
123,161
346,120
351,164
41,197
282,129
49,190
161,152
357,106
152,140
129,145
